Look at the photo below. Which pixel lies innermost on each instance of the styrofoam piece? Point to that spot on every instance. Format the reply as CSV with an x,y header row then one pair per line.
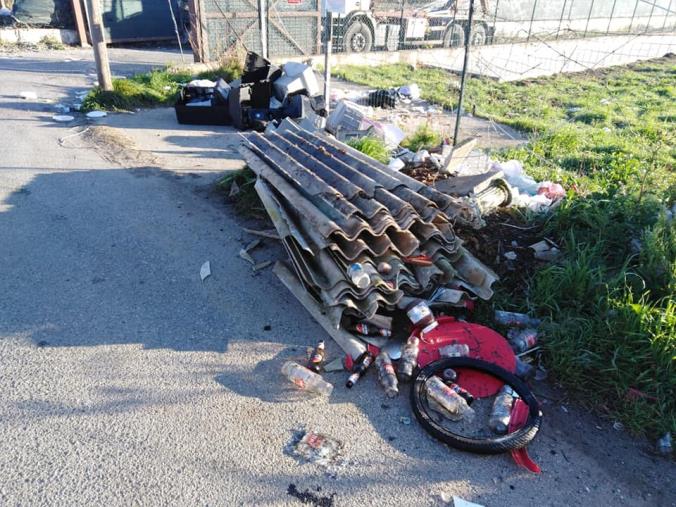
x,y
202,83
62,118
96,114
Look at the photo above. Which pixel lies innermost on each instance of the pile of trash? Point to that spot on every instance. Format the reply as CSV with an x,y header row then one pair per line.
x,y
265,92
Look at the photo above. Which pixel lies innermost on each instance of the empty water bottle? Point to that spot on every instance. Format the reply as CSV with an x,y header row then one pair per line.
x,y
522,339
498,421
306,379
358,274
454,405
454,350
386,375
409,359
515,319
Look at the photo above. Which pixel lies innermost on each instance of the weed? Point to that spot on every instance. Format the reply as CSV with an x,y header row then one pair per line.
x,y
51,42
245,201
371,146
423,138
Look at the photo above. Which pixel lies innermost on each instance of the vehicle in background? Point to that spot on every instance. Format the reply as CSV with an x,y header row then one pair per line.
x,y
365,25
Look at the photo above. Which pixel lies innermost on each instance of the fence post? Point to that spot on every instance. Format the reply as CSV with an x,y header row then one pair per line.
x,y
495,20
631,24
328,45
532,17
612,11
262,21
468,43
650,18
563,11
666,16
591,7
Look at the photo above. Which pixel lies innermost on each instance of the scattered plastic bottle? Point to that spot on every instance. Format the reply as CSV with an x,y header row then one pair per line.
x,y
522,339
664,445
409,359
524,370
358,274
515,319
386,375
370,330
360,366
454,404
498,421
306,379
454,350
316,361
462,392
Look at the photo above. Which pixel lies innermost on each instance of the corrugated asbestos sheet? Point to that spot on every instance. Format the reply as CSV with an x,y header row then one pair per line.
x,y
333,206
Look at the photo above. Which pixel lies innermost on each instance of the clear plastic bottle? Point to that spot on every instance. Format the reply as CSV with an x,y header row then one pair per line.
x,y
454,404
522,339
306,379
386,375
360,366
454,350
409,359
358,274
515,319
498,421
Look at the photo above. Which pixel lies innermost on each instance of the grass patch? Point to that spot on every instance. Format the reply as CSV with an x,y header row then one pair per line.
x,y
423,138
51,42
152,89
245,201
371,146
609,303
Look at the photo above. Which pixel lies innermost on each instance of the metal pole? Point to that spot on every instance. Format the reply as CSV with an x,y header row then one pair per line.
x,y
631,24
532,17
495,20
612,11
563,10
666,16
650,18
99,45
262,21
468,41
591,7
328,43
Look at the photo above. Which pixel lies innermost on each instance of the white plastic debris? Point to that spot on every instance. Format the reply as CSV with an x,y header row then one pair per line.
x,y
61,108
202,83
205,270
421,156
544,251
396,164
392,135
461,502
28,95
62,118
412,91
96,114
516,177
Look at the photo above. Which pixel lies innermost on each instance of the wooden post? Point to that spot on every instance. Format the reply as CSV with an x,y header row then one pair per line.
x,y
80,23
99,44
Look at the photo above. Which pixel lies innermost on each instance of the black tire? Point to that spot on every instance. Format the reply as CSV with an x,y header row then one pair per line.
x,y
479,35
454,36
496,445
358,38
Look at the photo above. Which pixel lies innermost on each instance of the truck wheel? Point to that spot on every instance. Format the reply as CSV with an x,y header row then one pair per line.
x,y
358,38
454,36
478,35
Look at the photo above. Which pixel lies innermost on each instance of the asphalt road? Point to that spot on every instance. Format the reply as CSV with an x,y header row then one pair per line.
x,y
126,380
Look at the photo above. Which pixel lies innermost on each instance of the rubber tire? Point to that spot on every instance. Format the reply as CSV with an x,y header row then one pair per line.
x,y
355,28
454,36
497,445
479,35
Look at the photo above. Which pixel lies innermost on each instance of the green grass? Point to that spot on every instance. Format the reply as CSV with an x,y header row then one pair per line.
x,y
609,304
246,202
151,89
371,146
423,138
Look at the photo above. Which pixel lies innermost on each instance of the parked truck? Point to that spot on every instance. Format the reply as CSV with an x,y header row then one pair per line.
x,y
366,25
